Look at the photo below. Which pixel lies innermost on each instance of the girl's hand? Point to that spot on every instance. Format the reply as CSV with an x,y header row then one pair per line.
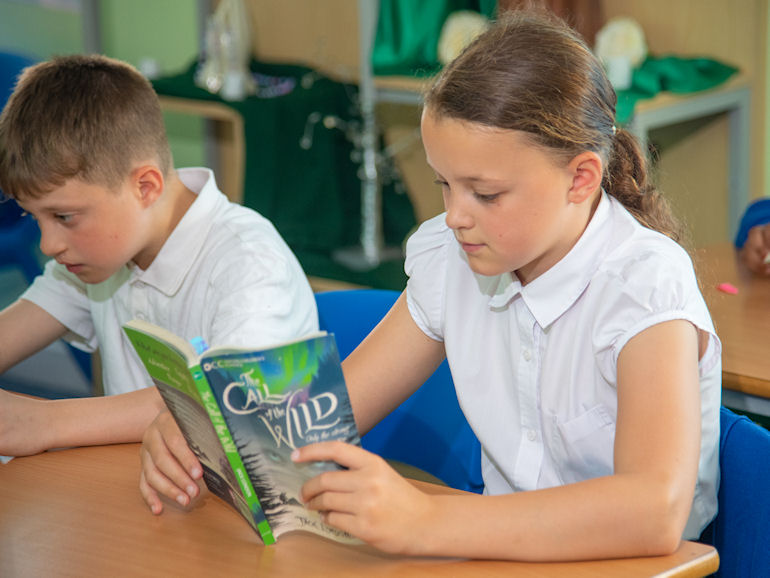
x,y
368,500
169,467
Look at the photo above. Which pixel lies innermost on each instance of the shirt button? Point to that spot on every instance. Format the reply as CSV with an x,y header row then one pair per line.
x,y
139,284
531,435
526,354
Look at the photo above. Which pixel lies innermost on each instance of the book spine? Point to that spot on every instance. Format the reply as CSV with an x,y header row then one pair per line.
x,y
226,439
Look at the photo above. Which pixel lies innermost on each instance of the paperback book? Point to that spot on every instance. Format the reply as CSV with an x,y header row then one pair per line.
x,y
243,411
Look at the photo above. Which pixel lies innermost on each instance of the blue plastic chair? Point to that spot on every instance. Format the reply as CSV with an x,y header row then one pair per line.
x,y
741,530
19,233
428,431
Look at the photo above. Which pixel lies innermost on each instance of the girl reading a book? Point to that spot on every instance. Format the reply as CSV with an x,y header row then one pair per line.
x,y
580,346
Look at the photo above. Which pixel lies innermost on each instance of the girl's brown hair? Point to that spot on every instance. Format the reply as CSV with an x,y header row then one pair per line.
x,y
82,116
531,72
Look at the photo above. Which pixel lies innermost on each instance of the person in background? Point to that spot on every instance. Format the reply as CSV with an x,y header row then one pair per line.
x,y
753,238
83,149
580,346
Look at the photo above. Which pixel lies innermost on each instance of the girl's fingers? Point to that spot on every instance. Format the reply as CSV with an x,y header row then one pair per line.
x,y
346,455
344,481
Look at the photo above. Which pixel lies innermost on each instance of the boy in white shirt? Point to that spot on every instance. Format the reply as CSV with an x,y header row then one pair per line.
x,y
83,149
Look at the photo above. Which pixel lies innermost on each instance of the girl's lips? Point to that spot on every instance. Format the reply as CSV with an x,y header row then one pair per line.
x,y
74,268
471,247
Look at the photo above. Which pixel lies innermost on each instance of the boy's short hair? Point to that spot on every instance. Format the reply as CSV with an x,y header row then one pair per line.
x,y
87,117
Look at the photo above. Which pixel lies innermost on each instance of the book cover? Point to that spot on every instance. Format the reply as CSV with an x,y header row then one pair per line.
x,y
275,401
243,412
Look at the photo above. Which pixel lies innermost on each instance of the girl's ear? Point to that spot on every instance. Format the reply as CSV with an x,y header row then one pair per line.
x,y
148,184
587,170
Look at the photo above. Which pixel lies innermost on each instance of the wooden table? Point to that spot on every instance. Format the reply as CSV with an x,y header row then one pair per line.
x,y
78,512
743,324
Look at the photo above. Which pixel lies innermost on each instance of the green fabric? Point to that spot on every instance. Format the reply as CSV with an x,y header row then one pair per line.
x,y
673,74
408,33
313,197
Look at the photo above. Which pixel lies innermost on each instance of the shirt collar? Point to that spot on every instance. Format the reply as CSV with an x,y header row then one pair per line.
x,y
555,291
177,255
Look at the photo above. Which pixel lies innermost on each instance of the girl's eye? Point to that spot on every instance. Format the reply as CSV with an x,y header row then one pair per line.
x,y
64,218
440,183
487,198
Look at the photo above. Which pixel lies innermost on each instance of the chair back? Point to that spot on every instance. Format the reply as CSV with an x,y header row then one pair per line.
x,y
18,232
741,530
428,430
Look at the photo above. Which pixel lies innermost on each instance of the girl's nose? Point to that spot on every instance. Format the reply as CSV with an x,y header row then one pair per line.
x,y
457,217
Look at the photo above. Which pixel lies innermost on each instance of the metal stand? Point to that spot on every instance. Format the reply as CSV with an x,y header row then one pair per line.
x,y
371,251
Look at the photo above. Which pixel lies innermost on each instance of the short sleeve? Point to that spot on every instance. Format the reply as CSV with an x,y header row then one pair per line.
x,y
656,286
259,295
65,297
426,266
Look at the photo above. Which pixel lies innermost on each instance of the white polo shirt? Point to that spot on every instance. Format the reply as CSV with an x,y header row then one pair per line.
x,y
535,367
224,274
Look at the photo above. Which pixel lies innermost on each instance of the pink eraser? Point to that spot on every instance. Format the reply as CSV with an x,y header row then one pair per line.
x,y
727,288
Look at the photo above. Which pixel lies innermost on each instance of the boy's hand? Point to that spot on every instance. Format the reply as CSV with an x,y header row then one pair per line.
x,y
169,467
368,500
756,249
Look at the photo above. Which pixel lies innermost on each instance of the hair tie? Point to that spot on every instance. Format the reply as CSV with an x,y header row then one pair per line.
x,y
614,130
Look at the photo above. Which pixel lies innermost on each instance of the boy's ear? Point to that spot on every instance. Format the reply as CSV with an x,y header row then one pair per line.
x,y
148,183
587,169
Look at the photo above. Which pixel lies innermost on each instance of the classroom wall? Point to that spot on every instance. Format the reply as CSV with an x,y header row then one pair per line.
x,y
166,31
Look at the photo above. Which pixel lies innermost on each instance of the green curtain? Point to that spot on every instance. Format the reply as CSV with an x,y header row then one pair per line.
x,y
312,196
408,32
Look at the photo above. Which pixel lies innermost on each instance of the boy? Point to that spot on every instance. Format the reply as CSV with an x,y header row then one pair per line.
x,y
83,149
753,237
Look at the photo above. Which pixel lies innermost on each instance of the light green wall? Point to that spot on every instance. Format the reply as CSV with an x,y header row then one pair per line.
x,y
39,31
166,31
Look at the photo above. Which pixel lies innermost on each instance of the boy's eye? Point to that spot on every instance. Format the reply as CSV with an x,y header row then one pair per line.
x,y
440,183
64,218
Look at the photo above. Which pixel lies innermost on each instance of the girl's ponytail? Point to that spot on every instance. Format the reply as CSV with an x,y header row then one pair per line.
x,y
626,179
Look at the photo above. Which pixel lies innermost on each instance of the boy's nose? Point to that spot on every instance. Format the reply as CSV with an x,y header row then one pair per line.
x,y
50,244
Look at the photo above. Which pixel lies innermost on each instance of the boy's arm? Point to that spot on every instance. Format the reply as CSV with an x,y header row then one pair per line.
x,y
29,425
25,329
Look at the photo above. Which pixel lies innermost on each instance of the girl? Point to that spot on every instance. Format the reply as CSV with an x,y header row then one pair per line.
x,y
581,349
